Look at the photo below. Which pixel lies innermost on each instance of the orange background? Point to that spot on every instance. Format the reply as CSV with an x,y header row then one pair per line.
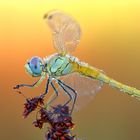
x,y
110,41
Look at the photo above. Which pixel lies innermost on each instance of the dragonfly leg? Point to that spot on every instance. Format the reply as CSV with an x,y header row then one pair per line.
x,y
37,83
46,90
56,94
62,86
25,85
72,91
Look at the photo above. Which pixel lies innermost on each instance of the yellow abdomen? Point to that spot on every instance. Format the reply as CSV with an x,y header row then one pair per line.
x,y
94,73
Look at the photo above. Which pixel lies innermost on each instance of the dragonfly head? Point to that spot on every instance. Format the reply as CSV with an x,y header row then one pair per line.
x,y
34,66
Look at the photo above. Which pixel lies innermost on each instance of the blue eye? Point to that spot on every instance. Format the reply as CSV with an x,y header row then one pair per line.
x,y
35,66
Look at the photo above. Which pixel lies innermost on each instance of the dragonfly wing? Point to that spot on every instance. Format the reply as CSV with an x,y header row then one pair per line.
x,y
86,89
66,31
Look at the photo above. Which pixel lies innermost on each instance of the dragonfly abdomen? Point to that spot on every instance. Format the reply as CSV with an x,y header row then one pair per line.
x,y
94,73
122,87
87,70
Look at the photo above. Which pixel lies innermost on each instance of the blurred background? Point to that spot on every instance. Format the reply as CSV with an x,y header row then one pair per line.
x,y
110,41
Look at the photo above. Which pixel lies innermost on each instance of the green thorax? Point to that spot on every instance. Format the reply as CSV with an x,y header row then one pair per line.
x,y
58,65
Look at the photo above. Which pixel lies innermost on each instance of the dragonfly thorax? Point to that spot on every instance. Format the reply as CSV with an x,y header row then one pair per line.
x,y
58,65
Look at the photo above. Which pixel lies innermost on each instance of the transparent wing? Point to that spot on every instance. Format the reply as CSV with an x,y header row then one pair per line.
x,y
66,31
86,89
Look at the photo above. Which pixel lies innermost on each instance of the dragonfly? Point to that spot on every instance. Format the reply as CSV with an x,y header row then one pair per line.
x,y
77,79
